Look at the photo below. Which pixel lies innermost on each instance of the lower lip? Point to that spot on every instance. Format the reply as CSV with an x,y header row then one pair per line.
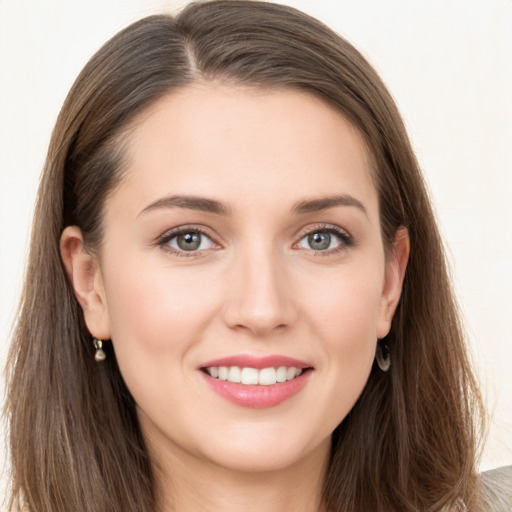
x,y
256,396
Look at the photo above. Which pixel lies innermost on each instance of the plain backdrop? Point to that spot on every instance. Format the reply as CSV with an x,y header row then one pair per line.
x,y
448,63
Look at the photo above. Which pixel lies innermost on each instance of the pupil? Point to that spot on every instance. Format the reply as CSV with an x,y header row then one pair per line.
x,y
189,241
319,241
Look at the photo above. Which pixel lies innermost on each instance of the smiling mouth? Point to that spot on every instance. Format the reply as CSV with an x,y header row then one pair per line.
x,y
253,376
256,382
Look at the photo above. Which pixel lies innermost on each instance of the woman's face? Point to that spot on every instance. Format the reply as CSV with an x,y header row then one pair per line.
x,y
243,242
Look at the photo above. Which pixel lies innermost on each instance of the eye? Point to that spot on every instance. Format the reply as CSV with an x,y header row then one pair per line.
x,y
189,240
326,239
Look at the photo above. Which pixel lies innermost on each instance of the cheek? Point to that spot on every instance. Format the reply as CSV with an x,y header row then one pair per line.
x,y
344,319
157,316
157,310
345,308
350,339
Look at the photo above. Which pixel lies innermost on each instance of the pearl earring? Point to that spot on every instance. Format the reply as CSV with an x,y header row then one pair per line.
x,y
100,354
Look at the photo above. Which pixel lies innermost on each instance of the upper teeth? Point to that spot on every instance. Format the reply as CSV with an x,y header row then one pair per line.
x,y
264,377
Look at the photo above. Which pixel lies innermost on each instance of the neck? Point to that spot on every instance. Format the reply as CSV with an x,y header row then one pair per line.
x,y
187,484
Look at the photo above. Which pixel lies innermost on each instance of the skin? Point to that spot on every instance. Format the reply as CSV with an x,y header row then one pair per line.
x,y
256,286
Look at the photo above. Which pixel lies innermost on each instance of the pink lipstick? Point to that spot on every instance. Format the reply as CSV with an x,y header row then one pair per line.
x,y
256,382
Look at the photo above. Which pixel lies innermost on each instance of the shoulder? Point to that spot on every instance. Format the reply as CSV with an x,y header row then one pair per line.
x,y
497,485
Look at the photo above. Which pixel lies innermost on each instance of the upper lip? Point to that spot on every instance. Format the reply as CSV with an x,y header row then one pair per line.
x,y
258,362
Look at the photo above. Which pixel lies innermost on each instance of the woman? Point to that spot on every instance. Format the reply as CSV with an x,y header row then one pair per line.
x,y
231,224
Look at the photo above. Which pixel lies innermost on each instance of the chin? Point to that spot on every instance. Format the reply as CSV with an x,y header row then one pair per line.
x,y
263,456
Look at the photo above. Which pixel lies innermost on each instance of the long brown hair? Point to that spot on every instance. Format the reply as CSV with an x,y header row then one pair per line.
x,y
408,444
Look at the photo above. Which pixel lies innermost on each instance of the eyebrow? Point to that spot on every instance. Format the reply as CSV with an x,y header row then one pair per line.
x,y
324,203
212,206
190,203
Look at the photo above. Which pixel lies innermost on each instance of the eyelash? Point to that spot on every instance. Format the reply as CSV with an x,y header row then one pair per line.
x,y
163,240
346,239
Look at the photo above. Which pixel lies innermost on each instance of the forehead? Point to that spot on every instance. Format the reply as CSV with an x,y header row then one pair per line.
x,y
239,143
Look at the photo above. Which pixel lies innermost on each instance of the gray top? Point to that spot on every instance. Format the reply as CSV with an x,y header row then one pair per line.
x,y
498,489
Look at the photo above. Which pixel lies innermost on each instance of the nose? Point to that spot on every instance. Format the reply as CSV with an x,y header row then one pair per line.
x,y
259,298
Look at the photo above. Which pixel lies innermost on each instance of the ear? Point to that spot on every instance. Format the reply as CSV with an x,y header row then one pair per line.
x,y
85,275
393,279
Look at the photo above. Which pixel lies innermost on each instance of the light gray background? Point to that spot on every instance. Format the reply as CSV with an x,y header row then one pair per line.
x,y
448,63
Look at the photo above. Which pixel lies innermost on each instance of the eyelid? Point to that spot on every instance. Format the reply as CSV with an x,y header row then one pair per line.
x,y
163,240
346,238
